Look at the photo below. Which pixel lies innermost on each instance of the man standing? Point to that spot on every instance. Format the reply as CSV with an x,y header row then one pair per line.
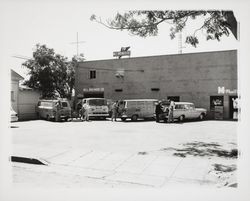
x,y
81,113
86,111
58,111
158,111
171,112
114,111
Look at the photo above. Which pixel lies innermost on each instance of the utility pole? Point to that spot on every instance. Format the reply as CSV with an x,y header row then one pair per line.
x,y
77,44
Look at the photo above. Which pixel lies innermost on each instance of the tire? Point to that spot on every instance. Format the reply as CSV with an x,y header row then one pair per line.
x,y
201,117
123,119
134,117
181,118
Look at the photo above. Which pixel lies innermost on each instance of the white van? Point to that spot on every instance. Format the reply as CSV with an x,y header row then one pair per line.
x,y
137,108
98,107
47,109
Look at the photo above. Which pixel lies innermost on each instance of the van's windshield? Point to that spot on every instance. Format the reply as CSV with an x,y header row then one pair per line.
x,y
97,102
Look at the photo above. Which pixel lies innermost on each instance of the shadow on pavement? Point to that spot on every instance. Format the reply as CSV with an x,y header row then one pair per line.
x,y
202,149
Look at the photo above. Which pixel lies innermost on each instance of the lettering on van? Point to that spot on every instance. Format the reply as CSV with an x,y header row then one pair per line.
x,y
223,90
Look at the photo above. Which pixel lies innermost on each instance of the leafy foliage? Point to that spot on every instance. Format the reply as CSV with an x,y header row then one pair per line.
x,y
50,73
146,23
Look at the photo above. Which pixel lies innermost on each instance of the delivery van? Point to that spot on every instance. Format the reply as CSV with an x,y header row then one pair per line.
x,y
97,107
56,110
136,108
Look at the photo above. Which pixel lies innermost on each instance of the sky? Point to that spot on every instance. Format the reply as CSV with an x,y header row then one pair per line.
x,y
56,24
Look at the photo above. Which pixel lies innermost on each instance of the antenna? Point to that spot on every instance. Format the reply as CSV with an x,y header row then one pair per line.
x,y
77,44
180,47
21,57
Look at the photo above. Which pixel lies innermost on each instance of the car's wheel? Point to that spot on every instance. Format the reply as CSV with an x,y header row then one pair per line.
x,y
123,119
134,117
201,117
181,118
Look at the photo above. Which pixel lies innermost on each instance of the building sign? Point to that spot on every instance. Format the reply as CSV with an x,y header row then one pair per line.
x,y
223,90
93,89
124,52
120,54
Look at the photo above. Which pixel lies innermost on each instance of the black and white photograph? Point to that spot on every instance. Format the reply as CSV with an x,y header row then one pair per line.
x,y
108,97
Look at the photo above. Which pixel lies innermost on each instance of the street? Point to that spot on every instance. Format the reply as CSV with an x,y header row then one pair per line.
x,y
125,154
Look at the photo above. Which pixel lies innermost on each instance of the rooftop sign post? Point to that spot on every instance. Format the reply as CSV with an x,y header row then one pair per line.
x,y
124,52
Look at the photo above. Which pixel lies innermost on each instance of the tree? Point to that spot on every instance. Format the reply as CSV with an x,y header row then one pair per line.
x,y
145,23
50,73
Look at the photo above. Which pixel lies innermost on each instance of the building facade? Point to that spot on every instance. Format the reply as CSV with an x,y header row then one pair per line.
x,y
27,103
207,79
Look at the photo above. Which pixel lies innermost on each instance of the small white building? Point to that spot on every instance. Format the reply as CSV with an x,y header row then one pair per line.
x,y
23,98
15,78
27,102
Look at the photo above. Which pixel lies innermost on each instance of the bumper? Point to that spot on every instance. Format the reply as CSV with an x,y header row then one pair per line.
x,y
99,115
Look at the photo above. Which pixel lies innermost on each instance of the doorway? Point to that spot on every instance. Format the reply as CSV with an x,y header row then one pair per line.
x,y
174,98
93,94
217,107
233,107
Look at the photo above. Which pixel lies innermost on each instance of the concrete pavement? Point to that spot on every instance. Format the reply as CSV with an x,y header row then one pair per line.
x,y
76,166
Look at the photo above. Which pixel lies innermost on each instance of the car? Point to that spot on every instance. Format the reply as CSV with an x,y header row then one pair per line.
x,y
13,115
186,110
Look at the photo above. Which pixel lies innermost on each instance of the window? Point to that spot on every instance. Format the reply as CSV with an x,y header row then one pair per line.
x,y
180,107
155,89
92,74
64,104
216,101
189,106
46,104
118,90
97,102
12,96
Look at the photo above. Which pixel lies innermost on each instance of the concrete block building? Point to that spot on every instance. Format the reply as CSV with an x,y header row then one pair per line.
x,y
208,79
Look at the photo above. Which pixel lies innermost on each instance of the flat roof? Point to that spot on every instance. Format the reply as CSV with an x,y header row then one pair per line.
x,y
127,58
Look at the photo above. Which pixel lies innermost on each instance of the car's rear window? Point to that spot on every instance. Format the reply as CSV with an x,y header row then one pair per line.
x,y
46,104
189,106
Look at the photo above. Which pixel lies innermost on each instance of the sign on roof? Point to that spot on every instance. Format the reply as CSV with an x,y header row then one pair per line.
x,y
124,52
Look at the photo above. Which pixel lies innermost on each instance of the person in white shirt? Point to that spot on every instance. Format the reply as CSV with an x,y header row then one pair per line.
x,y
171,112
86,109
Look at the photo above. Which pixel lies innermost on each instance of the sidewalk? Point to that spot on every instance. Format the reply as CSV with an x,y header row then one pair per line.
x,y
109,169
